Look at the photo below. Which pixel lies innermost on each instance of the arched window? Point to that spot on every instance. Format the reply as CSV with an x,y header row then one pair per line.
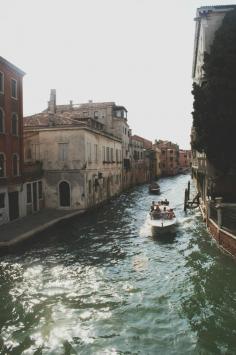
x,y
64,194
14,124
2,121
2,165
15,164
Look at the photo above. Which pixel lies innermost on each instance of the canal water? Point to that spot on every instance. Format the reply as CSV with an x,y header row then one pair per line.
x,y
101,284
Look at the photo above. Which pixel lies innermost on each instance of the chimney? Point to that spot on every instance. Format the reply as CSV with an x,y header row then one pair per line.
x,y
71,104
90,101
52,102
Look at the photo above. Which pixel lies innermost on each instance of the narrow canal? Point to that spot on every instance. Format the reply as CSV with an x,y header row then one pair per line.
x,y
101,284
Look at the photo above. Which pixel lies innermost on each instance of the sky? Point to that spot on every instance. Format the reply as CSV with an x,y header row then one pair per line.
x,y
137,53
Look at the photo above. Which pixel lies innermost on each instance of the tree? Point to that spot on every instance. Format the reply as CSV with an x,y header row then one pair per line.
x,y
214,115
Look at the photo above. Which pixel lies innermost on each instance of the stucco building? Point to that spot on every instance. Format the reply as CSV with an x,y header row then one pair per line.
x,y
219,215
158,170
81,158
140,161
169,157
115,122
208,19
185,160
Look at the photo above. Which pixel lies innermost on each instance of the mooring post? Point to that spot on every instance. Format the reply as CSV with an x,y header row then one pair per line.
x,y
185,199
188,190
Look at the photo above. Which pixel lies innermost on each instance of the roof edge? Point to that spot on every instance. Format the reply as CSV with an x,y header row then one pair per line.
x,y
12,66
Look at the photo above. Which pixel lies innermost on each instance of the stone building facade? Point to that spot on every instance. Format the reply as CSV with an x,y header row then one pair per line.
x,y
114,120
185,160
208,20
169,157
81,160
158,165
220,214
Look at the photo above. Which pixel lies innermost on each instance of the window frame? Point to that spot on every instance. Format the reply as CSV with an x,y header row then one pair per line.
x,y
2,88
3,120
14,114
17,165
14,80
3,194
63,151
29,195
4,165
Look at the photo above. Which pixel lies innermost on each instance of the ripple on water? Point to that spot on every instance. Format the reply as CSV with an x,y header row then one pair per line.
x,y
102,284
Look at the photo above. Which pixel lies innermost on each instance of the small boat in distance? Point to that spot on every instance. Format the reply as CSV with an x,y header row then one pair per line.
x,y
162,218
154,188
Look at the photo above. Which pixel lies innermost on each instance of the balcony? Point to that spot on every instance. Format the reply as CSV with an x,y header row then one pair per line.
x,y
32,170
199,164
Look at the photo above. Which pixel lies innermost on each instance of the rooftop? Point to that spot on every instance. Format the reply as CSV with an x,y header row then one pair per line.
x,y
11,66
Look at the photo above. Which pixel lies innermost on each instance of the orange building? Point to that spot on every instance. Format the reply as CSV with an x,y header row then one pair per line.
x,y
169,157
185,160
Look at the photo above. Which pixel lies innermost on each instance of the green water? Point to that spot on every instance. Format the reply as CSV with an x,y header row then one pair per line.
x,y
101,284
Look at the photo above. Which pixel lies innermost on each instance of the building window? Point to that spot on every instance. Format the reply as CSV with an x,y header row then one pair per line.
x,y
2,200
63,151
89,152
95,153
111,154
96,115
117,156
40,190
85,114
15,164
29,193
90,187
14,88
1,82
14,124
2,123
104,153
107,154
2,165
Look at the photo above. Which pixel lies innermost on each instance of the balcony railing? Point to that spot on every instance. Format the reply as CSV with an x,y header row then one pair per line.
x,y
33,170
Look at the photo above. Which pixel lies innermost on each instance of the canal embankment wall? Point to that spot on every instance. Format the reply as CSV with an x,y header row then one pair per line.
x,y
18,231
13,233
220,219
224,239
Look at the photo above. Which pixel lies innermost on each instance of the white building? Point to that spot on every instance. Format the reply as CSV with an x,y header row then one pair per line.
x,y
82,162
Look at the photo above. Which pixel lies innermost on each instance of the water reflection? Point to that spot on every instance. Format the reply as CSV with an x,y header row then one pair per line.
x,y
102,284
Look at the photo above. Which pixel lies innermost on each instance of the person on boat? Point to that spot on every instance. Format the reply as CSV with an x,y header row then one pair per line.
x,y
152,206
156,208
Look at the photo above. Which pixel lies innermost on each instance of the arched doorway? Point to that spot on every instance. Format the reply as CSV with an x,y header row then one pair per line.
x,y
64,194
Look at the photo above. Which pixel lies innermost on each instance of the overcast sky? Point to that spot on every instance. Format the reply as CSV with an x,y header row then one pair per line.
x,y
137,53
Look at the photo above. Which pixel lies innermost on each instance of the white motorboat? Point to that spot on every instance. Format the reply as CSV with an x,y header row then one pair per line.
x,y
154,188
162,218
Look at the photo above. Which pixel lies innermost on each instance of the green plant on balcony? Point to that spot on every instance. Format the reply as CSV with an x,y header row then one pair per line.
x,y
214,115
